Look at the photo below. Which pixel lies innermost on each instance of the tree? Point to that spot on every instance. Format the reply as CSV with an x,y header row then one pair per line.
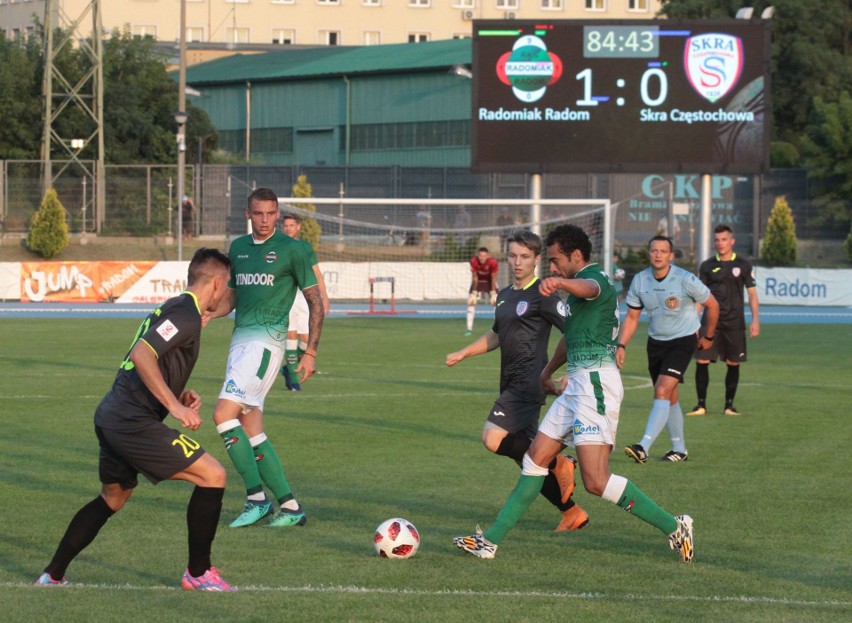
x,y
140,99
779,243
20,100
828,152
311,230
48,233
811,45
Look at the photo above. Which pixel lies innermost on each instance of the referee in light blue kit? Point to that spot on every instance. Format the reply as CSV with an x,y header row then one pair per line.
x,y
669,295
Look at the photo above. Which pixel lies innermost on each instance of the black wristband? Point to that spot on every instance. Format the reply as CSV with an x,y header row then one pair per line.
x,y
620,345
709,338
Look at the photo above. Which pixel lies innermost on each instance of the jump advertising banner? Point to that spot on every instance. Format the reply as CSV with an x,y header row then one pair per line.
x,y
155,282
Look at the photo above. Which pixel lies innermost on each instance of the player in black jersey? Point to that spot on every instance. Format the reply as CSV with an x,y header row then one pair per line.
x,y
727,276
522,321
150,385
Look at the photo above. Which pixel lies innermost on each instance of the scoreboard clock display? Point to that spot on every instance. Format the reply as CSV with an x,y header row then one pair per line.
x,y
621,96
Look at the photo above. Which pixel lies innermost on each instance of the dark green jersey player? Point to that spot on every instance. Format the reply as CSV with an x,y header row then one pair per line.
x,y
523,319
268,269
586,412
265,277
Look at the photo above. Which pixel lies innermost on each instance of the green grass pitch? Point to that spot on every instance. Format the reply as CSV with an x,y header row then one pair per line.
x,y
387,430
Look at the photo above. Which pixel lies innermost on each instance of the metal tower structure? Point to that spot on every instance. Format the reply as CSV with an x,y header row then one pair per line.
x,y
64,93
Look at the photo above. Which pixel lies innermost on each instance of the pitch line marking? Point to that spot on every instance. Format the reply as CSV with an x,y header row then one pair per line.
x,y
743,599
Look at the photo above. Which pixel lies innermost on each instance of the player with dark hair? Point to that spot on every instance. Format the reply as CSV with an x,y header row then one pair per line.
x,y
483,281
522,322
586,412
297,331
268,268
150,385
727,276
670,296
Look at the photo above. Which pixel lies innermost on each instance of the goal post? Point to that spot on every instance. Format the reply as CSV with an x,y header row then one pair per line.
x,y
444,230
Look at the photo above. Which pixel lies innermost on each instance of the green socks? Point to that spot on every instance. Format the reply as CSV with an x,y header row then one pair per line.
x,y
634,501
240,452
291,357
271,470
519,501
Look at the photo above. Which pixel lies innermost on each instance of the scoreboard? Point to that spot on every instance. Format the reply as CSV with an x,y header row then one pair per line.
x,y
632,96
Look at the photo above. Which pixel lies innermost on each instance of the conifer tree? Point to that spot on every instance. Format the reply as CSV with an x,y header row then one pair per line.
x,y
779,243
48,233
311,230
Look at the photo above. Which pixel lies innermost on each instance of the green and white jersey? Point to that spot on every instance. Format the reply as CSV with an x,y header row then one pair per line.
x,y
265,277
591,325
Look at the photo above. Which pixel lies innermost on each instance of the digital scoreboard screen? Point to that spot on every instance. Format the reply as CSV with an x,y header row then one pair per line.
x,y
620,96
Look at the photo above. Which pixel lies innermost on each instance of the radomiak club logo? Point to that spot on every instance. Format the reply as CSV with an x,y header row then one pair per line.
x,y
529,68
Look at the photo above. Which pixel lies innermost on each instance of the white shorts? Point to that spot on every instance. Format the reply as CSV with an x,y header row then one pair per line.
x,y
299,315
587,411
251,371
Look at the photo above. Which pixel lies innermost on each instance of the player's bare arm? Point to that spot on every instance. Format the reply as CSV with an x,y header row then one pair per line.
x,y
487,342
754,328
145,360
307,366
556,361
326,302
628,328
581,288
712,316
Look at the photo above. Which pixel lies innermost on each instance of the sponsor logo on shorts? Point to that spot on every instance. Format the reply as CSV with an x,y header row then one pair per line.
x,y
521,308
673,371
498,414
583,429
167,330
231,388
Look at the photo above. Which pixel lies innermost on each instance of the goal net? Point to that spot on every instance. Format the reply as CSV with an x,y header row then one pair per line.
x,y
425,244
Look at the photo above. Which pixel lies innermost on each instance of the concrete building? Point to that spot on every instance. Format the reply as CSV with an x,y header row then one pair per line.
x,y
247,23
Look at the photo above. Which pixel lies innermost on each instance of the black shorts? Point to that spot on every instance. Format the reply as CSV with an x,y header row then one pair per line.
x,y
154,450
728,345
515,414
670,357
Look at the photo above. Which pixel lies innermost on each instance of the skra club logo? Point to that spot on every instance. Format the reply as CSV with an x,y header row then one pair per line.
x,y
713,64
529,68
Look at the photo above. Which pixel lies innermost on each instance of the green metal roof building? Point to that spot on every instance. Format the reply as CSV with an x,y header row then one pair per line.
x,y
342,106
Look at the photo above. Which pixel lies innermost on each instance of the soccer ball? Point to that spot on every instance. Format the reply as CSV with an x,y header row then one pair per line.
x,y
620,274
396,538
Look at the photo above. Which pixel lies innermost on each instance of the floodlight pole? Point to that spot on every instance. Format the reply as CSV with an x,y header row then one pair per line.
x,y
181,118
